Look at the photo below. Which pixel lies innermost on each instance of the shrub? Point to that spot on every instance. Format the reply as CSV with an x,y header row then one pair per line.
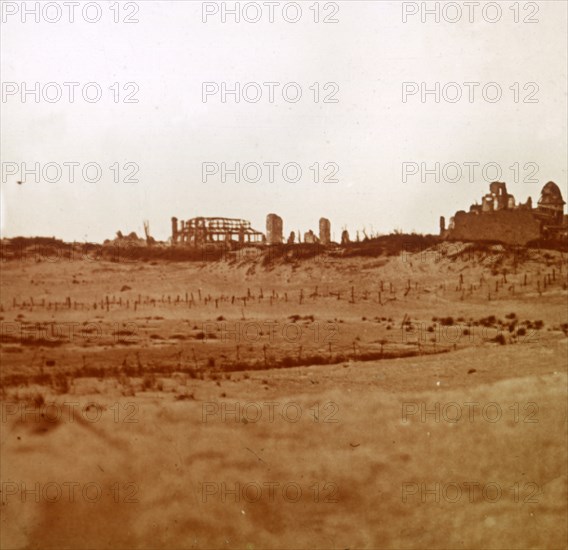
x,y
286,362
499,339
149,381
447,321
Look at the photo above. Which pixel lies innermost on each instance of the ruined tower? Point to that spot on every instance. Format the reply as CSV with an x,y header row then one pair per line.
x,y
324,231
551,204
500,196
174,230
274,227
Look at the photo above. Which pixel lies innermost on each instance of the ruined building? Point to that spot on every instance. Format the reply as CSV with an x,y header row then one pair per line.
x,y
236,232
200,231
499,218
274,229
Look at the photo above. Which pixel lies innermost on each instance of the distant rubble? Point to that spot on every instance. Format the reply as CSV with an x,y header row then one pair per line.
x,y
498,219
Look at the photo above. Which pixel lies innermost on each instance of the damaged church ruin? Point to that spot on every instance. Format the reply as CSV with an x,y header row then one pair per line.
x,y
499,218
200,231
232,232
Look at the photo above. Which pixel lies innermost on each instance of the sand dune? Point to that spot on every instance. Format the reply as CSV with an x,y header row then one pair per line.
x,y
192,453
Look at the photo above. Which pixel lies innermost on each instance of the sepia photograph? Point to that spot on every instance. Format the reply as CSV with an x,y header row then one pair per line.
x,y
283,275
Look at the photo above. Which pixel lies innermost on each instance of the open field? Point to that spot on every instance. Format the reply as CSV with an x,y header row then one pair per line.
x,y
396,400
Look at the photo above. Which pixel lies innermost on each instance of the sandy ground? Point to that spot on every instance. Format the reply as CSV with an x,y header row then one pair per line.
x,y
461,449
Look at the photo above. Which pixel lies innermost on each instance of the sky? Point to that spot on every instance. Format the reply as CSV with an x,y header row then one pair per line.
x,y
144,160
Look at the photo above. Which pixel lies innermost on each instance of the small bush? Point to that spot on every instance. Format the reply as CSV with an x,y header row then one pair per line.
x,y
149,381
499,339
286,362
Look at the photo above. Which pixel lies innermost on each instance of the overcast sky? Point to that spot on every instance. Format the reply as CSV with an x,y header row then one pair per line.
x,y
367,134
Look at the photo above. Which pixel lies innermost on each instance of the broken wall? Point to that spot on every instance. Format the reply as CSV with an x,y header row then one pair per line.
x,y
509,226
